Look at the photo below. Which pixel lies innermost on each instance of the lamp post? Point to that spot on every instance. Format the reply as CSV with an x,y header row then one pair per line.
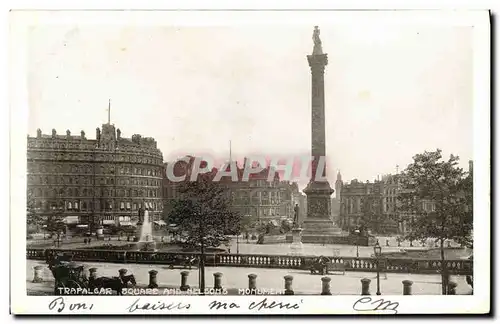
x,y
238,242
357,242
201,268
378,251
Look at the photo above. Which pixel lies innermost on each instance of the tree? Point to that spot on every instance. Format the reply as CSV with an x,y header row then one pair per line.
x,y
33,219
432,192
203,215
55,224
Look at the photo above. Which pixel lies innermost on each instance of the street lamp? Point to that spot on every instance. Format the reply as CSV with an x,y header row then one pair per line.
x,y
357,242
238,242
201,268
378,251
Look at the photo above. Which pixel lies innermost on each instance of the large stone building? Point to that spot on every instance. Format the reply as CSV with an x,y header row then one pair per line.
x,y
259,198
371,204
92,182
375,205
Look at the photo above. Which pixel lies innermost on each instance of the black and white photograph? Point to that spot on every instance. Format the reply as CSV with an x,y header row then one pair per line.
x,y
235,162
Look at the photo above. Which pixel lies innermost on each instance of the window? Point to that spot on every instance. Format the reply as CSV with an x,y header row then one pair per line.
x,y
76,206
84,206
122,206
134,206
69,205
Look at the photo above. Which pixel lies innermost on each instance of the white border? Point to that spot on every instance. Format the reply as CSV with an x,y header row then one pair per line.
x,y
479,303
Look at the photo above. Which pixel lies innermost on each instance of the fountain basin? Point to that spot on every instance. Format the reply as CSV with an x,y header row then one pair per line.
x,y
146,246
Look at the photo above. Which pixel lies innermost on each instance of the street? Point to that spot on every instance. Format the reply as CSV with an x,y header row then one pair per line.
x,y
303,282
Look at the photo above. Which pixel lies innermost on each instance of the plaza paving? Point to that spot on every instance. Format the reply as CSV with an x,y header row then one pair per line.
x,y
303,282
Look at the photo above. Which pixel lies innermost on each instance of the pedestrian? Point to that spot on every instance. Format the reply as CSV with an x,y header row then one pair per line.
x,y
84,241
89,241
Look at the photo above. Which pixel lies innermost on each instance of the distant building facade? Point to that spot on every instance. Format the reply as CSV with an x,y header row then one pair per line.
x,y
93,182
259,198
371,204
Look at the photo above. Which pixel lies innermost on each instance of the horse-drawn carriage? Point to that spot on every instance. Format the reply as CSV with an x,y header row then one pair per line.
x,y
69,276
322,265
182,261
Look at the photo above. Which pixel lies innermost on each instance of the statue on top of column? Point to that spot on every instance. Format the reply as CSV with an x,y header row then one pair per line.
x,y
317,50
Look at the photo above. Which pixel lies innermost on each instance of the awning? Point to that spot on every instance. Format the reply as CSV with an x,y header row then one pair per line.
x,y
160,222
108,221
71,220
82,225
124,223
173,226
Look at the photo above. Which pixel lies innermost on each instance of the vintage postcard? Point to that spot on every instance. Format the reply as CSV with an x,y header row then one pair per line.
x,y
250,162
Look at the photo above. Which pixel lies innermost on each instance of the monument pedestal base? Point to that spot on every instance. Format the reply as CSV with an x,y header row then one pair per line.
x,y
322,230
296,246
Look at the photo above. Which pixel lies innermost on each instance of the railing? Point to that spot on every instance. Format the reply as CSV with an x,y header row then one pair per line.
x,y
260,260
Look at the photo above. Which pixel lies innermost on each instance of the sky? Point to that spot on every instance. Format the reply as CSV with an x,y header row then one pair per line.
x,y
390,93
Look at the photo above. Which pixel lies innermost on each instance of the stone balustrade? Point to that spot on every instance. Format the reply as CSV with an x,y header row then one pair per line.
x,y
259,260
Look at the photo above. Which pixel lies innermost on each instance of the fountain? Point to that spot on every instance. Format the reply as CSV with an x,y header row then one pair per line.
x,y
146,241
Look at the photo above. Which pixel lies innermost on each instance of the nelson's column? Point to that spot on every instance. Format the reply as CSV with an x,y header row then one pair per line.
x,y
318,226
